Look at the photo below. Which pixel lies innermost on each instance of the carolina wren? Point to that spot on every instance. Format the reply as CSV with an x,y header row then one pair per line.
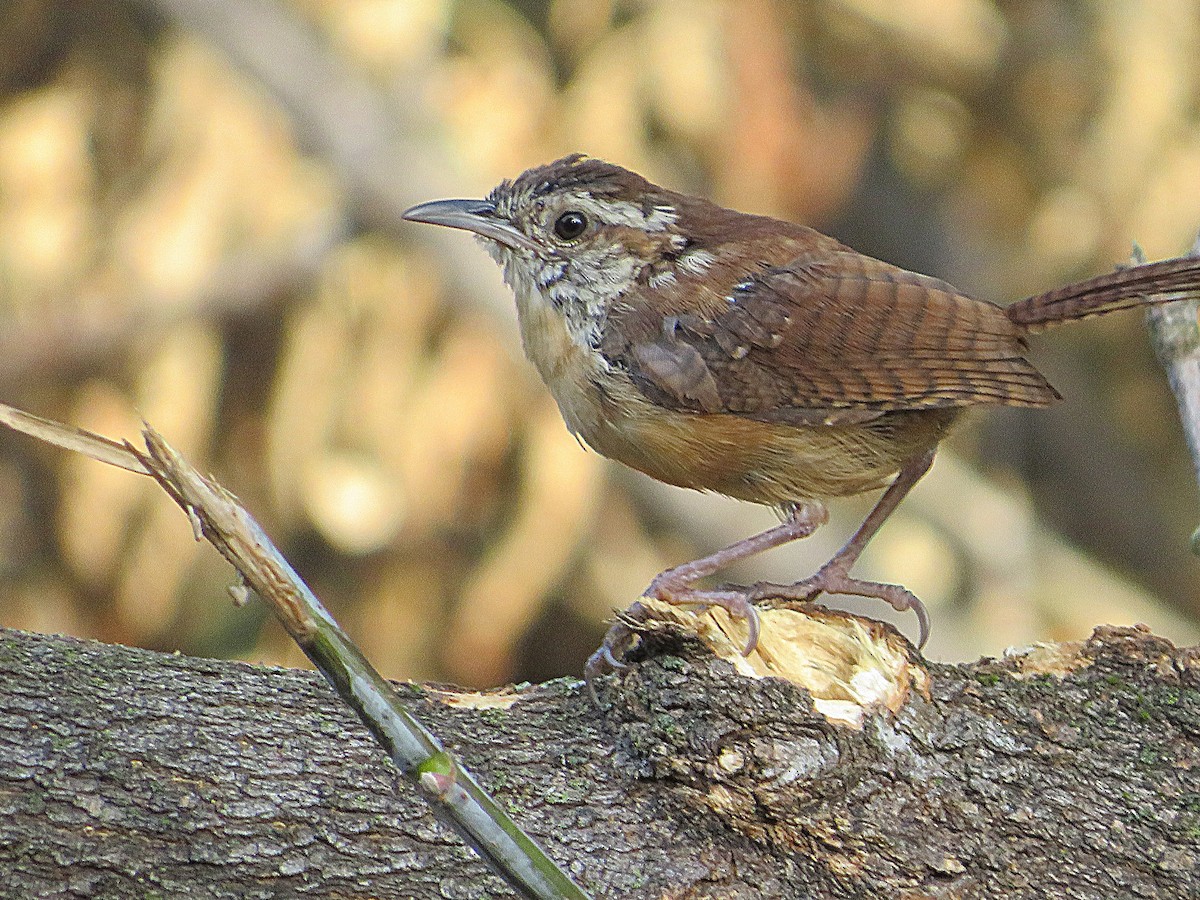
x,y
745,355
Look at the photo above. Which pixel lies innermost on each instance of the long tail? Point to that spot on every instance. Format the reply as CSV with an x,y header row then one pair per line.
x,y
1159,282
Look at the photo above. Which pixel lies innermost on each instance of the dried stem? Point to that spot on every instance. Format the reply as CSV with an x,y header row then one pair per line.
x,y
456,798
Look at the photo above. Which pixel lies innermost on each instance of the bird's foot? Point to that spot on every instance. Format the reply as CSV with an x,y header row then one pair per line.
x,y
609,656
832,578
734,600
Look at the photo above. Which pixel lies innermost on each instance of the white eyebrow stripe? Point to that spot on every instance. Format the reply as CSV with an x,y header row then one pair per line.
x,y
622,212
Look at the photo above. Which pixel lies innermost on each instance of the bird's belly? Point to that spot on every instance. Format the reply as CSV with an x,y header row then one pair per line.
x,y
762,462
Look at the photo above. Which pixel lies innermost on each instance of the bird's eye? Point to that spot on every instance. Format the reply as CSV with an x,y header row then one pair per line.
x,y
570,225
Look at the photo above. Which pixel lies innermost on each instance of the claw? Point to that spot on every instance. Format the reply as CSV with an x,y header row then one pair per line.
x,y
753,628
599,663
832,580
923,620
903,600
609,658
606,657
589,680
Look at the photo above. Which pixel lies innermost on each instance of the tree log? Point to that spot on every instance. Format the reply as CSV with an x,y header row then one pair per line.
x,y
1070,770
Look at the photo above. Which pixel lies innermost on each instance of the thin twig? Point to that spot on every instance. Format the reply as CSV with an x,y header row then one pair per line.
x,y
456,798
1175,335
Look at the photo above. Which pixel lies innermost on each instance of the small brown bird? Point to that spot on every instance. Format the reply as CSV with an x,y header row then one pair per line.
x,y
727,352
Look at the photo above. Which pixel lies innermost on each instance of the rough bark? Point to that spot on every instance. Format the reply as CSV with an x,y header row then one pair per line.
x,y
1070,771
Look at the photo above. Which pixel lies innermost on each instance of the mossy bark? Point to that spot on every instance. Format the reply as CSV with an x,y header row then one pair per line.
x,y
1072,772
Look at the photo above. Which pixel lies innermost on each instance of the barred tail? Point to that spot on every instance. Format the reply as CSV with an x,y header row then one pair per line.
x,y
1159,282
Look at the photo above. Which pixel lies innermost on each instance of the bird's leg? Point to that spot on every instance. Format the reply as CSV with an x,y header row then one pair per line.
x,y
675,585
834,577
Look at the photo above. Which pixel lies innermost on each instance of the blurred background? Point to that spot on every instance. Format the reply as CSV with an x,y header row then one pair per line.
x,y
199,226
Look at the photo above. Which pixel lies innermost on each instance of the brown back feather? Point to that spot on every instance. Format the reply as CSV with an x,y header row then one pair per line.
x,y
834,336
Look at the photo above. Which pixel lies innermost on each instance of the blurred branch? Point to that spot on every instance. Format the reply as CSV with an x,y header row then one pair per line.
x,y
367,136
339,115
217,516
240,288
1175,335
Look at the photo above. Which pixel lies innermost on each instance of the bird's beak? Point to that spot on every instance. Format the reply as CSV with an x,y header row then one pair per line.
x,y
478,216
